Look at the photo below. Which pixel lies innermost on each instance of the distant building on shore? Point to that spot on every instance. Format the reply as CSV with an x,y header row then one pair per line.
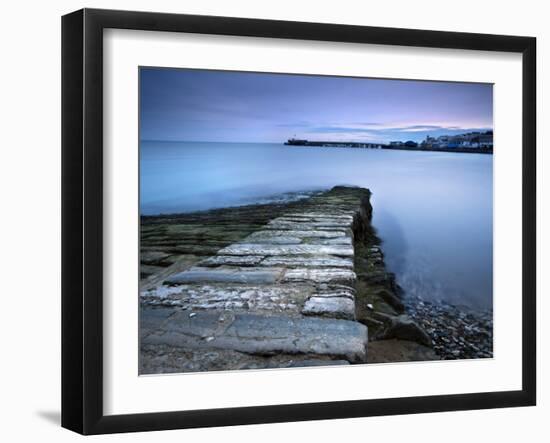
x,y
470,140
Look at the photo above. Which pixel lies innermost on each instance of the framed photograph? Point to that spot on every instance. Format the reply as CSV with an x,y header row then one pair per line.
x,y
269,221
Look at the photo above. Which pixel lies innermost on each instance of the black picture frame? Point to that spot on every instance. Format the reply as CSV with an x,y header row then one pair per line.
x,y
82,218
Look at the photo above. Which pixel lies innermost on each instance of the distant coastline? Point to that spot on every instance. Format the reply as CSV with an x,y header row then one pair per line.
x,y
471,143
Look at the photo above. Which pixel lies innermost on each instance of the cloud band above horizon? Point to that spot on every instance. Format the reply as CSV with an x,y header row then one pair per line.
x,y
227,106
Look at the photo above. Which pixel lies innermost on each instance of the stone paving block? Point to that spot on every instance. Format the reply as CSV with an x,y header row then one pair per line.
x,y
226,275
258,249
298,234
337,307
234,297
328,226
232,260
347,241
320,275
335,291
274,239
263,334
297,261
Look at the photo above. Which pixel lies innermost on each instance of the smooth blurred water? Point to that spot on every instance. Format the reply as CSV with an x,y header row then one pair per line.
x,y
433,211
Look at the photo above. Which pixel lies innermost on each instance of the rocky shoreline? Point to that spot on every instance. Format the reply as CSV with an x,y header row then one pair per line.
x,y
450,332
286,284
394,336
455,333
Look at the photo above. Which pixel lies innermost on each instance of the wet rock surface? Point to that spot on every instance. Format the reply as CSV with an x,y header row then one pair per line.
x,y
405,328
226,274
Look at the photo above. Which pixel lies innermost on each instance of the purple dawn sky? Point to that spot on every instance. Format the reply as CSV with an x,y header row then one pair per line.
x,y
197,105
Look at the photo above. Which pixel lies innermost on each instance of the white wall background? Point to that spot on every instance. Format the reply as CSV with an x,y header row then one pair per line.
x,y
30,222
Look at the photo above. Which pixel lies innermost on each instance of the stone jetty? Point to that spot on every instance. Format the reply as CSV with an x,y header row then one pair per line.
x,y
265,286
285,290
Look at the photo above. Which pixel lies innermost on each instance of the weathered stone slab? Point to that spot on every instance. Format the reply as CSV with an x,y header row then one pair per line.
x,y
263,334
335,291
298,234
258,249
232,260
337,307
291,219
348,241
320,218
226,275
302,262
152,257
334,214
320,275
153,320
273,240
276,298
149,269
328,226
333,220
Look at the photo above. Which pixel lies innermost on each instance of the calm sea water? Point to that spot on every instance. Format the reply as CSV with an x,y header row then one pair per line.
x,y
433,211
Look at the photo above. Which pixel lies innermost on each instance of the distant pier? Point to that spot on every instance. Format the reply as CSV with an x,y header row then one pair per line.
x,y
298,142
407,146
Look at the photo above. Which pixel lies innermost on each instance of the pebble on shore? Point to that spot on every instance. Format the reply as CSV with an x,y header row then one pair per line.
x,y
456,333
